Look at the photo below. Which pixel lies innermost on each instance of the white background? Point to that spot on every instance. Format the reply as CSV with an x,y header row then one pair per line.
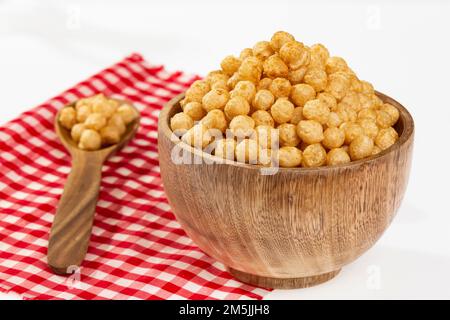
x,y
402,48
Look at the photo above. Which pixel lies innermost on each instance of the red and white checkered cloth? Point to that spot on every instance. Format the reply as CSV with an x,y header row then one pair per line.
x,y
137,248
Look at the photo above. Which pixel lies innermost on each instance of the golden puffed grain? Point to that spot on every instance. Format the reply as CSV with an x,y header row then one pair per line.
x,y
95,121
289,157
351,100
274,67
267,137
83,112
295,55
316,78
230,64
328,99
297,116
90,140
76,131
262,117
105,108
392,111
194,110
244,89
282,110
386,138
335,64
334,120
225,148
352,131
250,69
384,119
361,147
216,76
288,135
333,138
236,106
367,87
346,114
302,93
262,50
310,131
245,53
181,121
320,51
338,85
198,136
264,83
280,87
263,100
247,151
314,155
117,122
279,38
233,80
215,119
242,126
316,110
109,135
369,127
337,156
67,117
296,76
197,91
215,99
367,113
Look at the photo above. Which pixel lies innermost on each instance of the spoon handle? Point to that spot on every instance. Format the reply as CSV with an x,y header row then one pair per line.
x,y
72,225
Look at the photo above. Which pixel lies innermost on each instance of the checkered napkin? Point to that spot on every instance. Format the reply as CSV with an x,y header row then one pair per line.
x,y
137,248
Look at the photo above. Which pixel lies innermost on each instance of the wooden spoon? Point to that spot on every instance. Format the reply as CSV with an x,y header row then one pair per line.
x,y
72,225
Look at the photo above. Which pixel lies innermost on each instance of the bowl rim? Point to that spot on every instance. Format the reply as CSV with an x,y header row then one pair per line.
x,y
407,133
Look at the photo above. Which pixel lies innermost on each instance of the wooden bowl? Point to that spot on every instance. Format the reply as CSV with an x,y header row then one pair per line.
x,y
296,228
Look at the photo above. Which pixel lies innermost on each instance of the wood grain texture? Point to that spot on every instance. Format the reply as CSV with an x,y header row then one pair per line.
x,y
296,228
72,225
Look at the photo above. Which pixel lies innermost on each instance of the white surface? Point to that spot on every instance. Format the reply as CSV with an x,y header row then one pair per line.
x,y
403,48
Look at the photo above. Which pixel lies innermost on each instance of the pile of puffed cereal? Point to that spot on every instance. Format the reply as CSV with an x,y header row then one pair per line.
x,y
97,121
313,106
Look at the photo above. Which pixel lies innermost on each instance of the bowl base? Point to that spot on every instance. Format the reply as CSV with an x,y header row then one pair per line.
x,y
283,283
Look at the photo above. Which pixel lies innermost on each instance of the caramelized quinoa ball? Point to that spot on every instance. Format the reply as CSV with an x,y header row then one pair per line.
x,y
314,155
282,110
310,131
302,93
337,156
245,89
280,87
262,117
288,135
361,147
181,121
274,67
279,38
215,99
263,100
289,157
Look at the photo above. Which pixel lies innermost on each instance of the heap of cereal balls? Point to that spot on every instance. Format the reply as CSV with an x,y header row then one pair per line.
x,y
311,105
97,121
